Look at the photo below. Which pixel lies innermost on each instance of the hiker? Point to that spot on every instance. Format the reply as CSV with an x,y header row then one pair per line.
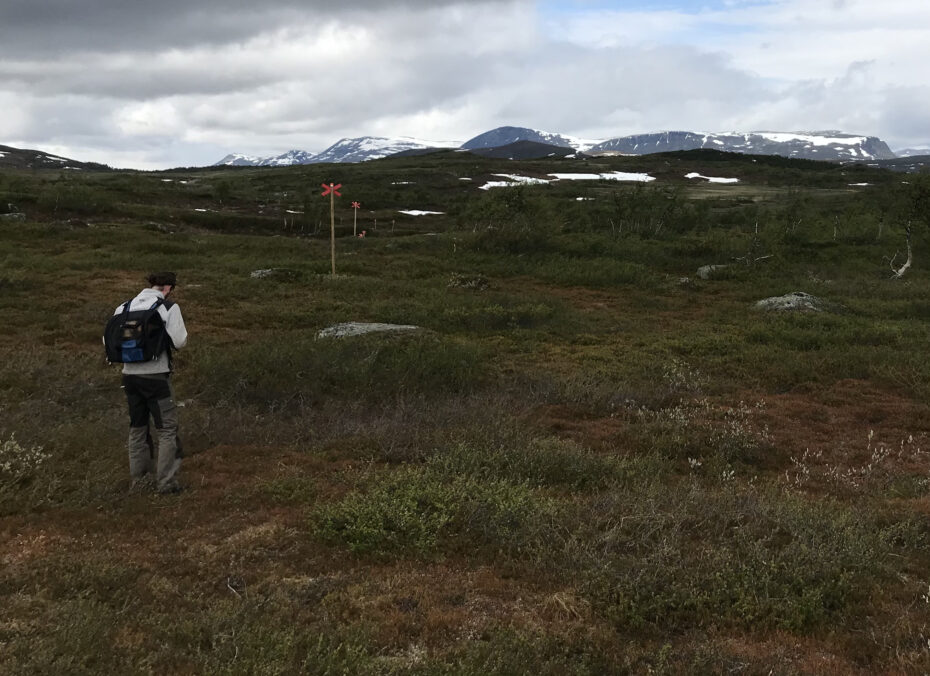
x,y
148,386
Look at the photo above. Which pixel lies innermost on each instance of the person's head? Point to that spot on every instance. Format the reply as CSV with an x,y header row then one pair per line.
x,y
163,281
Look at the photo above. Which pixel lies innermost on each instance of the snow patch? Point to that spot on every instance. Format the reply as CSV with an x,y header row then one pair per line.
x,y
609,176
712,179
512,180
417,212
784,137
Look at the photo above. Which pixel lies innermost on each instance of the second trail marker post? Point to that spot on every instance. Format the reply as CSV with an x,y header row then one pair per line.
x,y
332,190
356,206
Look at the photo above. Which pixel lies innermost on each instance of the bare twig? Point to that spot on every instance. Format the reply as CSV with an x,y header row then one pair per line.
x,y
899,273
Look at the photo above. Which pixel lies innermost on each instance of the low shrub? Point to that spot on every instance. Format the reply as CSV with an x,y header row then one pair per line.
x,y
497,317
373,368
421,512
19,464
537,462
671,558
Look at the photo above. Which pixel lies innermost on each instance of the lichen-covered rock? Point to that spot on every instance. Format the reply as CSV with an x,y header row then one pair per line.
x,y
360,328
471,282
707,271
274,273
796,301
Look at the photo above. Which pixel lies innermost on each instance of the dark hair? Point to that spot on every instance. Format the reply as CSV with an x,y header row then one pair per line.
x,y
162,279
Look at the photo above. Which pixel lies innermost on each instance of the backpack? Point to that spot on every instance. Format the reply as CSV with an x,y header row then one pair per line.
x,y
133,336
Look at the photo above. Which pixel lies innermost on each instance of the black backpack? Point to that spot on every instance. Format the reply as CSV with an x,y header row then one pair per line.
x,y
133,336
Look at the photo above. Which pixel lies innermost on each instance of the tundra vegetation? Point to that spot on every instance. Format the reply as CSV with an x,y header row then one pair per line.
x,y
588,460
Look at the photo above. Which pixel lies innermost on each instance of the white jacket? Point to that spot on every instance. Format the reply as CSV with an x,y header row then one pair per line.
x,y
174,325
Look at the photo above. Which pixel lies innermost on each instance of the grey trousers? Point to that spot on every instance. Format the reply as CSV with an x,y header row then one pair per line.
x,y
153,397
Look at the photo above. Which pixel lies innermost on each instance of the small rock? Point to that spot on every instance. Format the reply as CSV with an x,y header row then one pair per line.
x,y
277,273
359,328
796,301
473,282
707,271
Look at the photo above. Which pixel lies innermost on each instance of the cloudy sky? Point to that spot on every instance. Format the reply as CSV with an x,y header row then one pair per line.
x,y
155,84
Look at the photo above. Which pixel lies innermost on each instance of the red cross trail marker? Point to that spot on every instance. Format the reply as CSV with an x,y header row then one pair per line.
x,y
332,190
356,206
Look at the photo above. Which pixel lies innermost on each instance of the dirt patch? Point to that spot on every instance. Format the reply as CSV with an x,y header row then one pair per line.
x,y
836,419
569,422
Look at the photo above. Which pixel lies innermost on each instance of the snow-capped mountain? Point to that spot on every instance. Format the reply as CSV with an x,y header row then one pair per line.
x,y
21,158
503,136
912,152
345,150
283,160
288,158
817,145
375,147
237,160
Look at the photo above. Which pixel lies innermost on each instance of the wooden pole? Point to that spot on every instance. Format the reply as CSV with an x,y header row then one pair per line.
x,y
355,223
332,227
330,189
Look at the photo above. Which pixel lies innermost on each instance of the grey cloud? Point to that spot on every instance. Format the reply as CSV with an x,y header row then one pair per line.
x,y
905,112
573,87
59,27
141,79
174,81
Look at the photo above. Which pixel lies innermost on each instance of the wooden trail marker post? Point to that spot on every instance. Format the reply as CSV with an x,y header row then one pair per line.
x,y
332,190
356,206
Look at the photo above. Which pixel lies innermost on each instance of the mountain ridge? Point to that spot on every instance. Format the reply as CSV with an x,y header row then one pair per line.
x,y
827,145
26,158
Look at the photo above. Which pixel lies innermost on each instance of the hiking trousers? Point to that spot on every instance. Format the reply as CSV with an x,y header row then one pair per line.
x,y
151,396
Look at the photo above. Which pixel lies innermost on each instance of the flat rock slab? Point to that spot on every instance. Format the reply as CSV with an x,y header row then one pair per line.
x,y
797,301
360,328
708,271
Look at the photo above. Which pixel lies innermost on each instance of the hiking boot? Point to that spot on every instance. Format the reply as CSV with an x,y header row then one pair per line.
x,y
142,484
171,488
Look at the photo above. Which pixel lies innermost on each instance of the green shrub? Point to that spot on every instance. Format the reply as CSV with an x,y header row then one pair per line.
x,y
537,462
497,317
286,366
421,512
671,558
